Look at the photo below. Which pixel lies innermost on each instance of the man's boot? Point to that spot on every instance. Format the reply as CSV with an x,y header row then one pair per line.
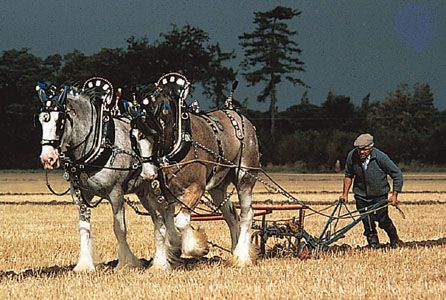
x,y
393,237
373,241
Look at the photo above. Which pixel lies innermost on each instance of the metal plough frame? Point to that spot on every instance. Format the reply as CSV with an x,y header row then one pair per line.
x,y
299,242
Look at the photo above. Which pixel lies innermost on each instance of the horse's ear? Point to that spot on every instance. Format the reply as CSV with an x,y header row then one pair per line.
x,y
103,90
62,99
40,89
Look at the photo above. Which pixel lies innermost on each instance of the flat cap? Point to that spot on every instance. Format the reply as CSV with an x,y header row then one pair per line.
x,y
364,140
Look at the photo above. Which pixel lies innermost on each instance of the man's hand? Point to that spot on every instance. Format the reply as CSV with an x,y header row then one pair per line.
x,y
346,187
344,197
393,199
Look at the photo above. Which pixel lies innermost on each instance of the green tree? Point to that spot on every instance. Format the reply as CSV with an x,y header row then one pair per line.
x,y
271,54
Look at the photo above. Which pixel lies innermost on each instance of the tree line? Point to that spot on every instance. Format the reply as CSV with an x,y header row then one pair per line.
x,y
310,137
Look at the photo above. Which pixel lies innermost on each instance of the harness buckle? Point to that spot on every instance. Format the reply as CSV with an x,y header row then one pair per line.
x,y
155,185
163,161
160,200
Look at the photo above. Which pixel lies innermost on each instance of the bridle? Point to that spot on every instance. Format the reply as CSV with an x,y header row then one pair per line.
x,y
168,98
145,131
56,105
53,105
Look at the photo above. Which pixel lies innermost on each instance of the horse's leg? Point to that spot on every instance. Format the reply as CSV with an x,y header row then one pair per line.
x,y
244,254
85,261
173,239
166,238
194,241
218,195
125,255
161,256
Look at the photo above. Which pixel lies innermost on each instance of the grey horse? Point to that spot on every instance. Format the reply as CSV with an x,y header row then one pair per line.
x,y
96,150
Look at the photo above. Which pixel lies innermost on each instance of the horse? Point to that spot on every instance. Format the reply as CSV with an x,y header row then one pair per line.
x,y
190,153
95,149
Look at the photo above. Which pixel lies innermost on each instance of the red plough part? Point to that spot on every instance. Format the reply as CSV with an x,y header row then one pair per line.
x,y
292,230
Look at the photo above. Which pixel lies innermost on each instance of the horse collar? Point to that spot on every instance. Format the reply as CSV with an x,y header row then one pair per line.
x,y
181,148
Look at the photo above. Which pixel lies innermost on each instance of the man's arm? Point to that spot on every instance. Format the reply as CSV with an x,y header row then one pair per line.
x,y
397,178
346,187
349,175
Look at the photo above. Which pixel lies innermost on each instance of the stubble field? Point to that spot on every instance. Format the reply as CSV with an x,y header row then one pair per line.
x,y
39,247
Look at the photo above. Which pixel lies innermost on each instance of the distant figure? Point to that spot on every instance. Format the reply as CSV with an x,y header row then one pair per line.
x,y
337,167
369,167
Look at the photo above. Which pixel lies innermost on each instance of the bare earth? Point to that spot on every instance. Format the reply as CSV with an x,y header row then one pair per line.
x,y
39,247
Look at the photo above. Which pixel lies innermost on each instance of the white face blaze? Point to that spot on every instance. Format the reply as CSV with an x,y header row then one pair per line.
x,y
149,169
49,155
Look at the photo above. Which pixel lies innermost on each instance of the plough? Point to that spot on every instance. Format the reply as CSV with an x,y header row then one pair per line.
x,y
299,242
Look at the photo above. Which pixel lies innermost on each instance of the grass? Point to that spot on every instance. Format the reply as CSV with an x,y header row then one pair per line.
x,y
39,237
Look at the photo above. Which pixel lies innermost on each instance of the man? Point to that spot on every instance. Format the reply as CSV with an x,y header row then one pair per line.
x,y
369,167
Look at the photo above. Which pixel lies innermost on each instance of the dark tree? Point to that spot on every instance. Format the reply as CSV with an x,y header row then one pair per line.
x,y
271,54
110,63
219,77
77,67
403,122
19,72
339,112
187,50
143,63
303,116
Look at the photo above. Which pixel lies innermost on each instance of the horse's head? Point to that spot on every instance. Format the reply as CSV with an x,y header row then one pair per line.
x,y
52,117
67,117
145,133
150,119
155,121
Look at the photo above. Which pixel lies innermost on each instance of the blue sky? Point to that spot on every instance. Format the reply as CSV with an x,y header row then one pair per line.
x,y
351,47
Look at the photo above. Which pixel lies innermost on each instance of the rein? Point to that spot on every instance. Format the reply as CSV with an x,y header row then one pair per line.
x,y
51,189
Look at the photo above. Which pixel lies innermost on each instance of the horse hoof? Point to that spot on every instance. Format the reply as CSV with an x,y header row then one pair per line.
x,y
157,268
79,268
243,259
133,264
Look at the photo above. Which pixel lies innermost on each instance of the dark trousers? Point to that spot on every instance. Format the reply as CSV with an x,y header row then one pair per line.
x,y
381,216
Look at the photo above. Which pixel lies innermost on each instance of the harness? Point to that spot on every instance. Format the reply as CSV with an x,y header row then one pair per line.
x,y
182,130
103,147
216,127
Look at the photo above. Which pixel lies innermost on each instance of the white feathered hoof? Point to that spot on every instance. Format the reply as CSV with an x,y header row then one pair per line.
x,y
242,259
195,242
159,266
84,267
